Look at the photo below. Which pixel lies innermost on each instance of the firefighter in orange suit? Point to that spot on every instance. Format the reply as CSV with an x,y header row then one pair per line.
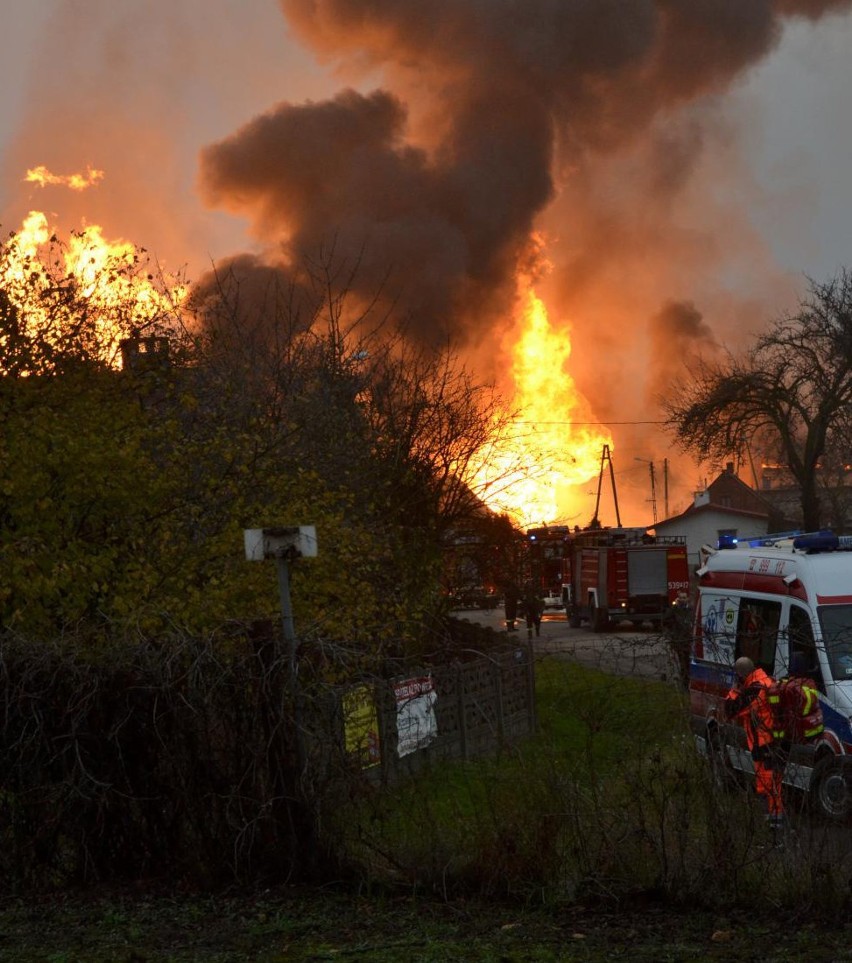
x,y
748,701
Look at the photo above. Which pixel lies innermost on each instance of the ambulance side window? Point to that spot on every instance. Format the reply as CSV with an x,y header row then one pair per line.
x,y
801,638
757,632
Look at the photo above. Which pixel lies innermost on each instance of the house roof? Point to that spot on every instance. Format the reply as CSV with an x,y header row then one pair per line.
x,y
695,510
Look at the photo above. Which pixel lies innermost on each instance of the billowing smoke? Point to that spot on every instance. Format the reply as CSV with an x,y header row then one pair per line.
x,y
589,144
588,120
438,178
677,331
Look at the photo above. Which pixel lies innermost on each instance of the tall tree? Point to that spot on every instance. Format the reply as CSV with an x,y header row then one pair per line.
x,y
786,396
390,427
124,489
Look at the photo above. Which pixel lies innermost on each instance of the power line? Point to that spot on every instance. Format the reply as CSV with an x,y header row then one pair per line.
x,y
598,424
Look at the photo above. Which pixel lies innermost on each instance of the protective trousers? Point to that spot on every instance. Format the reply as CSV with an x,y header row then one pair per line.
x,y
767,780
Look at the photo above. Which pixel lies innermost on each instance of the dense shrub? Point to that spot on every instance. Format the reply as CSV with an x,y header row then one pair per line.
x,y
168,760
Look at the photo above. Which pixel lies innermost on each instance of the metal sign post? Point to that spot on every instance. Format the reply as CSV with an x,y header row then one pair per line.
x,y
285,545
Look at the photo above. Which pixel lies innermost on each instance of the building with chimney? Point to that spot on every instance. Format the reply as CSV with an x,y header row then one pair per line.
x,y
834,487
727,506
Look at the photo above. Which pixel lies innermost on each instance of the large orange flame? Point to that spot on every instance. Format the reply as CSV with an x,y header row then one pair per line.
x,y
77,182
554,445
109,276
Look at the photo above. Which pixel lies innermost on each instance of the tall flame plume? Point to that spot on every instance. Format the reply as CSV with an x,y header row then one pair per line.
x,y
554,446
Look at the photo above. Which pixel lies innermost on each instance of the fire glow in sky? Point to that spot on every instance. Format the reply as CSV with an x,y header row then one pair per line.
x,y
432,144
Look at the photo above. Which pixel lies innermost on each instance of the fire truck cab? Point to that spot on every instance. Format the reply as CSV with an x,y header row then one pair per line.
x,y
767,599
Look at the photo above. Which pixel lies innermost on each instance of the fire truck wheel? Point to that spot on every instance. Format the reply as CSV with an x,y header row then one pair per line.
x,y
573,618
830,790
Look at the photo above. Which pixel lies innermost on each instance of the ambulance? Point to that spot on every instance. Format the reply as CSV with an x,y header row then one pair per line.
x,y
768,598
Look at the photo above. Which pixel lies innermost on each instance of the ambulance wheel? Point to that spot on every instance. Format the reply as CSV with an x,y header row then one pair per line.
x,y
725,777
831,794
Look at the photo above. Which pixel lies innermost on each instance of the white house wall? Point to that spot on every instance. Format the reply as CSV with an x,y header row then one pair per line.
x,y
702,528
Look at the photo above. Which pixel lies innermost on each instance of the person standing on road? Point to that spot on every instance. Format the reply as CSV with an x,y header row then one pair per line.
x,y
748,701
533,609
510,598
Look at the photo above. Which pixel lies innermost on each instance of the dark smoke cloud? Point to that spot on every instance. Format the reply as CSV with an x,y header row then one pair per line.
x,y
342,169
679,336
440,183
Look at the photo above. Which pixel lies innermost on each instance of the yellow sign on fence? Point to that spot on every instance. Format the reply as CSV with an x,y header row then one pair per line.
x,y
361,726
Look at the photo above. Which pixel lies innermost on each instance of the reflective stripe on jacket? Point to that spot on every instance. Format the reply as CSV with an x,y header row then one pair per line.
x,y
796,709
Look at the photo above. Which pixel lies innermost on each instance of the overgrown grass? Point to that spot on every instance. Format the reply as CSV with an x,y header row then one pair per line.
x,y
293,925
609,800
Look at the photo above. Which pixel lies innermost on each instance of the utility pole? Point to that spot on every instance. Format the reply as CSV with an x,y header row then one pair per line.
x,y
666,486
607,457
653,486
653,492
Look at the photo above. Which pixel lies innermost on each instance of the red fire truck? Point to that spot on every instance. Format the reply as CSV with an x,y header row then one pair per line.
x,y
624,574
547,562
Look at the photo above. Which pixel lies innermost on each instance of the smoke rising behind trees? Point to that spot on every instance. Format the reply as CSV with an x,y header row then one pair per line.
x,y
592,145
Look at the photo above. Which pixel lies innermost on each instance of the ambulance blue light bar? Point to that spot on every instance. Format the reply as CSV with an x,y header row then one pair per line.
x,y
817,542
767,541
726,541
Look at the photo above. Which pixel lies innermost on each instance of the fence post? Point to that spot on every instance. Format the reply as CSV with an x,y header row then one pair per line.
x,y
531,704
460,703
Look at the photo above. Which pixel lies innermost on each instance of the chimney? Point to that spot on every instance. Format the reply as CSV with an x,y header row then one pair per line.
x,y
140,354
729,468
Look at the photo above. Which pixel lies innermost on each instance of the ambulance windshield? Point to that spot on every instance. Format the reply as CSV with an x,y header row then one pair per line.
x,y
836,622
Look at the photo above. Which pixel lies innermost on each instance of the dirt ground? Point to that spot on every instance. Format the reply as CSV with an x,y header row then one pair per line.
x,y
299,925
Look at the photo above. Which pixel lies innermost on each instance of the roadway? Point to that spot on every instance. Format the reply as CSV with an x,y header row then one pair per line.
x,y
618,651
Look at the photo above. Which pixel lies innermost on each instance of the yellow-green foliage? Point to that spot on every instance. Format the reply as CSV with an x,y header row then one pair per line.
x,y
124,494
121,514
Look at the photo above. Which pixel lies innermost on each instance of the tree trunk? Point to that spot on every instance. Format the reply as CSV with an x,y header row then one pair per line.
x,y
810,505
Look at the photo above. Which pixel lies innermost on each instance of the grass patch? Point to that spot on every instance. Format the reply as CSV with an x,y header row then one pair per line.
x,y
535,820
601,838
607,803
295,926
